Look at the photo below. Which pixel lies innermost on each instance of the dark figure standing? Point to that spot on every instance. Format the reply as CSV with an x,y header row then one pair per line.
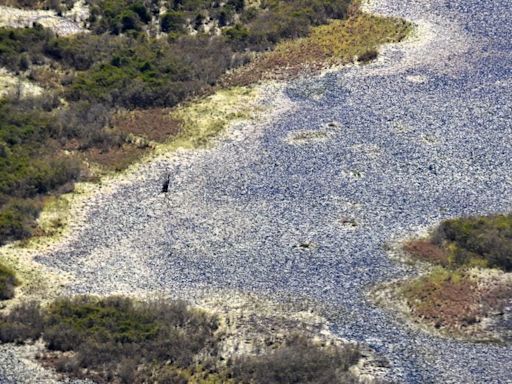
x,y
165,186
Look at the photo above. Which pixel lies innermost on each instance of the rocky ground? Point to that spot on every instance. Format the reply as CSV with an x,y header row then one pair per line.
x,y
273,209
69,23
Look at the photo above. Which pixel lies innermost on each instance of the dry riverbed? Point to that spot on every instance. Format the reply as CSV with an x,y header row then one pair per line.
x,y
275,210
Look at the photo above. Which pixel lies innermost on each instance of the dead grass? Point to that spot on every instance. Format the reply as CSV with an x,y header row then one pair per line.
x,y
425,250
155,124
337,43
204,119
115,158
444,299
466,303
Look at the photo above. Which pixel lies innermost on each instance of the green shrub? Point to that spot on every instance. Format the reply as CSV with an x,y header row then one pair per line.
x,y
172,21
153,73
17,218
116,16
29,166
368,56
24,322
8,282
26,43
117,339
237,33
487,239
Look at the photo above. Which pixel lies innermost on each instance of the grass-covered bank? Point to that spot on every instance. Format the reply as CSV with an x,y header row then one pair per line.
x,y
469,288
122,340
339,42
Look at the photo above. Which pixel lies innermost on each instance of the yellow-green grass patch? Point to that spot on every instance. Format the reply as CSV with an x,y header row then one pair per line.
x,y
337,43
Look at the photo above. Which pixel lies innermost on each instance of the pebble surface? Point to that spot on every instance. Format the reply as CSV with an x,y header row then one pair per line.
x,y
419,136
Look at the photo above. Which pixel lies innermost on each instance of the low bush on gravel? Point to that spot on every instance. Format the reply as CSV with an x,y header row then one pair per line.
x,y
298,361
444,298
450,296
481,241
8,282
117,339
457,300
107,334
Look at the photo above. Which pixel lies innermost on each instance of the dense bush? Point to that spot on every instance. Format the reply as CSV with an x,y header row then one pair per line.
x,y
8,282
264,24
24,322
172,21
118,16
17,217
117,339
477,240
29,166
106,334
147,72
298,361
20,47
56,5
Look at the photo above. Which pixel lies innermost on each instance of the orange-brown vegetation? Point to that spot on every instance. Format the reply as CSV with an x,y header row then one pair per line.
x,y
425,250
444,299
155,124
115,158
456,301
471,281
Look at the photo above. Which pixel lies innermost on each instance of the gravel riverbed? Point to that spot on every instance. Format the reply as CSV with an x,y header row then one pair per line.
x,y
304,202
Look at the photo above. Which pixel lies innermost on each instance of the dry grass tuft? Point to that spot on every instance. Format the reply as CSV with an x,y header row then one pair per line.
x,y
155,124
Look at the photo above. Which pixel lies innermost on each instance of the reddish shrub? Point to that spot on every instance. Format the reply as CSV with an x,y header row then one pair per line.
x,y
425,250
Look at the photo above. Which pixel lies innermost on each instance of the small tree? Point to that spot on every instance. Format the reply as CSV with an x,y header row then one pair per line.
x,y
172,21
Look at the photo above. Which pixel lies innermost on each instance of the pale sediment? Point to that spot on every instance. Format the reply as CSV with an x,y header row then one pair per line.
x,y
70,23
